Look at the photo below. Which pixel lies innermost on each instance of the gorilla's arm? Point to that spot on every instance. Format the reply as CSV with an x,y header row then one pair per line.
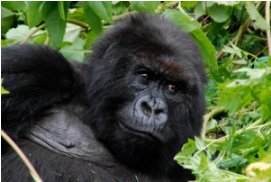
x,y
37,77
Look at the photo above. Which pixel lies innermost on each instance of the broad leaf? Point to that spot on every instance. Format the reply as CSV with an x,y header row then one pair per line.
x,y
72,33
74,51
181,19
56,27
103,9
148,6
14,5
220,13
63,9
6,19
207,49
259,22
34,13
93,20
18,34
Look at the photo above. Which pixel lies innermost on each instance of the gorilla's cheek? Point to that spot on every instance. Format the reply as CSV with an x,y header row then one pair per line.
x,y
146,116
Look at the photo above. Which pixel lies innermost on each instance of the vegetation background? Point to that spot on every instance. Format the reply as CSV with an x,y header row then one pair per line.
x,y
234,39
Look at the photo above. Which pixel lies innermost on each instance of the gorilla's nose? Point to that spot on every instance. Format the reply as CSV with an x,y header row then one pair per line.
x,y
153,110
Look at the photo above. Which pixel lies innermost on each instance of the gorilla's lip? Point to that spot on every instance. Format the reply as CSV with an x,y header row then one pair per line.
x,y
142,133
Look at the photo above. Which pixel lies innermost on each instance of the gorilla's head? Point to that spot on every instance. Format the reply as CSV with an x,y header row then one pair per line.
x,y
146,91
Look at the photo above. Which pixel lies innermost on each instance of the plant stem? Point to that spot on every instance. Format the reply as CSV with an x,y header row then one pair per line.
x,y
81,24
32,170
30,35
267,19
47,40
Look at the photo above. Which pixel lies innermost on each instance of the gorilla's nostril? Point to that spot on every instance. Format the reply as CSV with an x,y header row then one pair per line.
x,y
146,108
158,111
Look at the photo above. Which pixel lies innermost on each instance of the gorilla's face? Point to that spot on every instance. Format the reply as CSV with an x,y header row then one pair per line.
x,y
158,88
147,107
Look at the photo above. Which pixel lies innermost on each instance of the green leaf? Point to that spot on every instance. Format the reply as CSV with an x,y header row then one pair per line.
x,y
63,9
199,143
188,24
252,73
147,6
241,96
228,3
3,90
207,49
14,5
56,27
199,10
210,125
261,153
34,13
229,142
189,4
245,140
74,51
93,20
7,18
120,7
103,9
208,4
3,43
233,162
180,18
265,98
259,22
71,33
269,61
78,14
188,149
18,34
220,13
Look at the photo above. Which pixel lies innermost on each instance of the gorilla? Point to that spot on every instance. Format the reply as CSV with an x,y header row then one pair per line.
x,y
121,116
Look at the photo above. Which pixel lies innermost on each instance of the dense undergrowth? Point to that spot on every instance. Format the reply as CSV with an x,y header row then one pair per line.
x,y
234,39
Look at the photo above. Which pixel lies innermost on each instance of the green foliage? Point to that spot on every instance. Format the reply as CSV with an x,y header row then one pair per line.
x,y
102,9
93,20
74,51
259,22
55,25
3,90
197,156
188,24
232,40
14,5
243,91
7,17
146,6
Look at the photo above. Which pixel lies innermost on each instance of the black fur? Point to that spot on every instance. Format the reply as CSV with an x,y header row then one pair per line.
x,y
67,117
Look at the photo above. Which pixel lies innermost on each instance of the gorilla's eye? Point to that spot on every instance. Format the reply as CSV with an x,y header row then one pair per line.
x,y
172,88
145,76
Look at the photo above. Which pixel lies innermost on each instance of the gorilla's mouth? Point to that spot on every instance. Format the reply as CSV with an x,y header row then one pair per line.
x,y
142,132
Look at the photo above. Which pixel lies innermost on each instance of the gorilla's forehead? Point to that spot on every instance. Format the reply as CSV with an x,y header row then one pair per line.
x,y
165,64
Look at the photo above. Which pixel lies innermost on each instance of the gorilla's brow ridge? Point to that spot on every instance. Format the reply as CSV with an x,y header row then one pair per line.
x,y
170,67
